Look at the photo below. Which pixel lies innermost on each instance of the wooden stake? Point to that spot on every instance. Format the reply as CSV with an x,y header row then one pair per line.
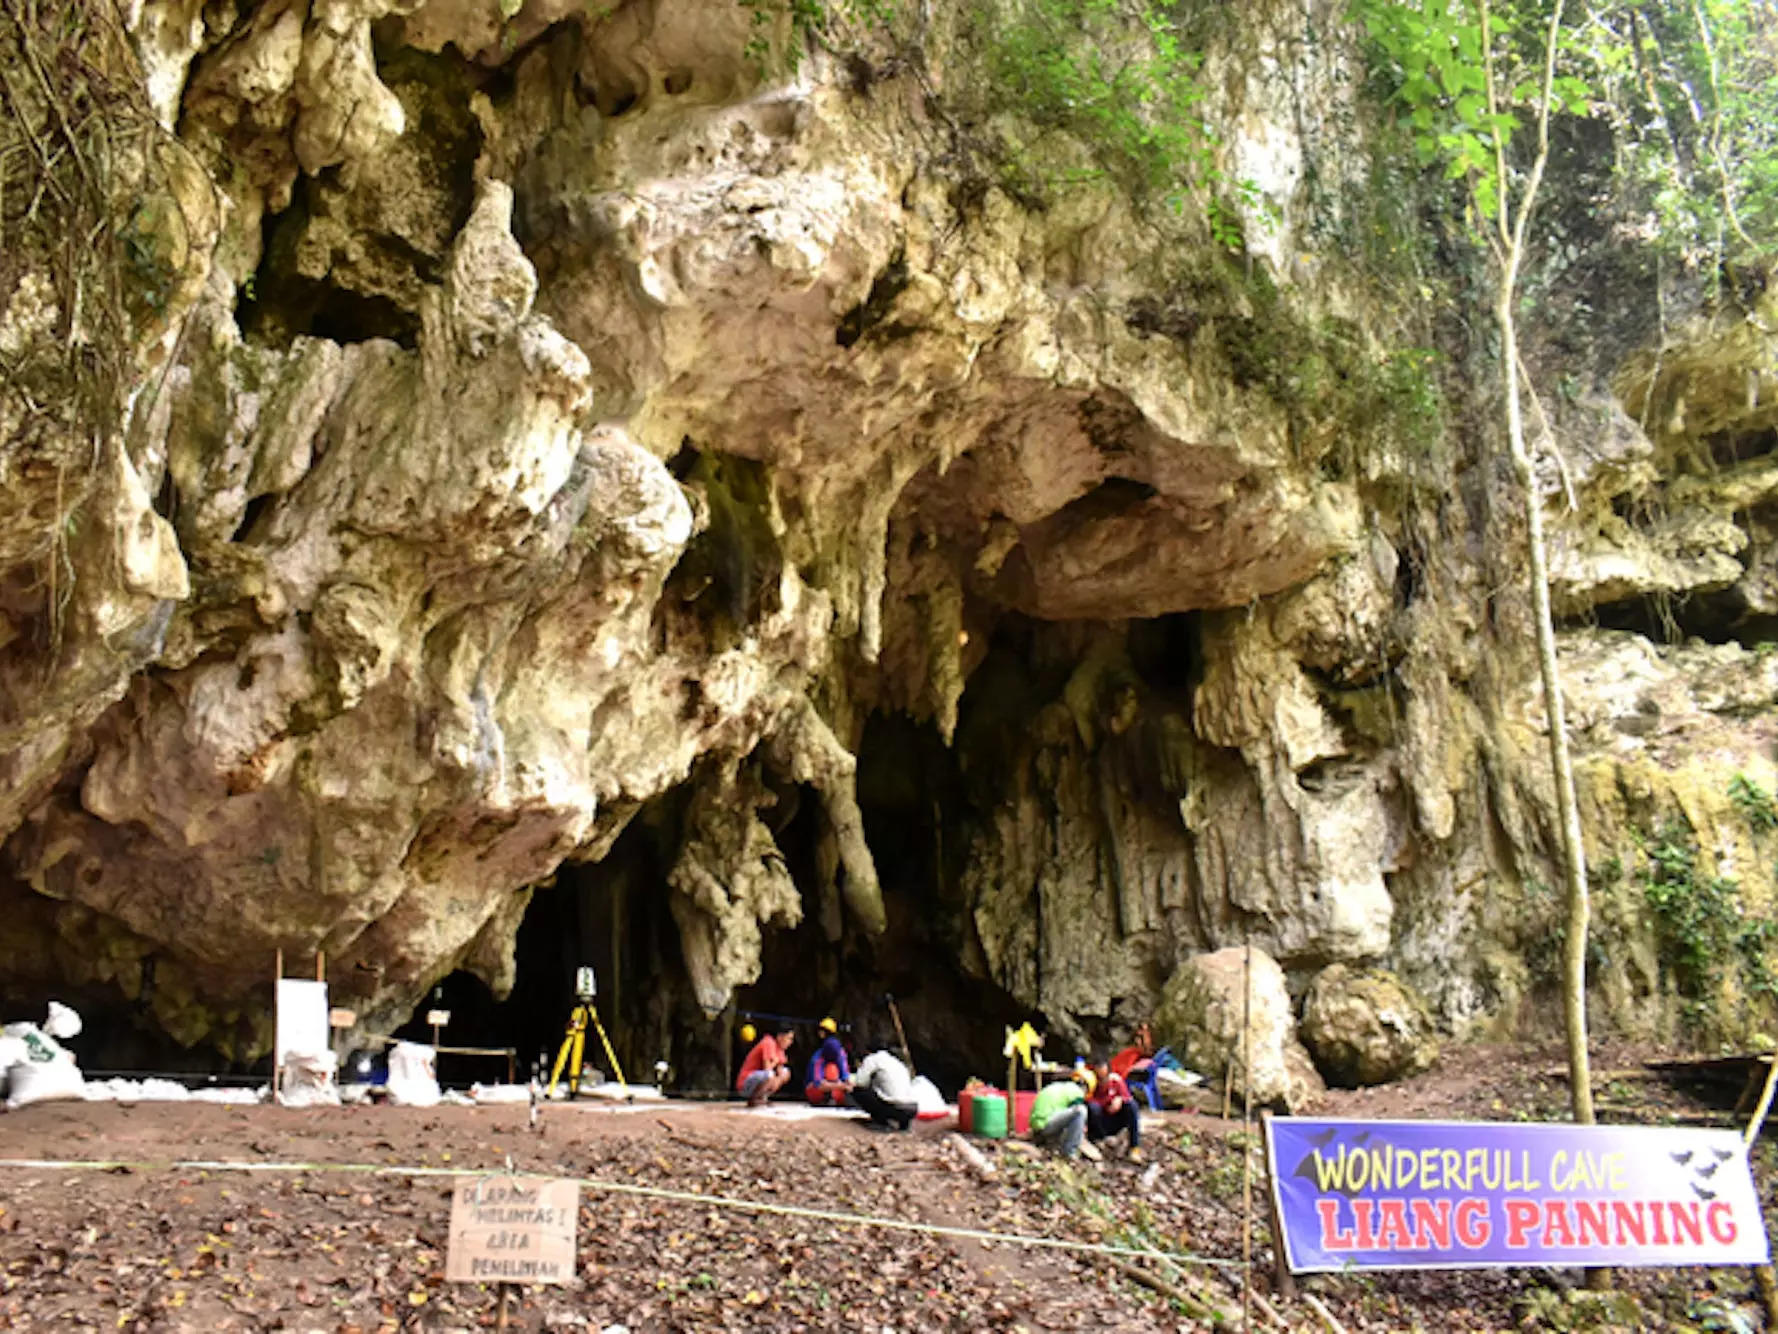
x,y
277,979
1247,1139
320,966
500,1310
1316,1305
1762,1274
907,1052
1193,1303
1282,1278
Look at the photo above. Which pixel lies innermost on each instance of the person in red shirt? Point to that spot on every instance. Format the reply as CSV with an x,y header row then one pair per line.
x,y
1110,1108
767,1067
1135,1059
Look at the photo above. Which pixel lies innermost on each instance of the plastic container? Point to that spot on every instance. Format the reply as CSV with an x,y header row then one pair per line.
x,y
965,1105
988,1115
1022,1104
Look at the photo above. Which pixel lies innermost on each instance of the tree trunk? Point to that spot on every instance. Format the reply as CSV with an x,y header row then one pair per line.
x,y
1574,856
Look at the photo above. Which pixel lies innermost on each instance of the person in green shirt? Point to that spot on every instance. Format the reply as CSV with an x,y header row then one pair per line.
x,y
1059,1117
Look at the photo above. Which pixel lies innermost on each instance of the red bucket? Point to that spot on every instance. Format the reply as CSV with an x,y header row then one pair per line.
x,y
1021,1112
966,1107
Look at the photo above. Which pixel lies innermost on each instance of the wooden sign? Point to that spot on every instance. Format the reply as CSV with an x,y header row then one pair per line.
x,y
438,1018
339,1018
511,1229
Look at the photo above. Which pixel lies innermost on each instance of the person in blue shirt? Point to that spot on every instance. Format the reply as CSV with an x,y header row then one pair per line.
x,y
830,1075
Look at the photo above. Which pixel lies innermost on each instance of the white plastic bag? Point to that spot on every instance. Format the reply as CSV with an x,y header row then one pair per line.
x,y
413,1081
63,1022
928,1101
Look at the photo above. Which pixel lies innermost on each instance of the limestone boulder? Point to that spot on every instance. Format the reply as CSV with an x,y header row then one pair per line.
x,y
1364,1026
1201,1019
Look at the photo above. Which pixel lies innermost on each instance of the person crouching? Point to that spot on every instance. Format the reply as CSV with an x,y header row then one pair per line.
x,y
1110,1108
767,1067
830,1076
1058,1117
884,1089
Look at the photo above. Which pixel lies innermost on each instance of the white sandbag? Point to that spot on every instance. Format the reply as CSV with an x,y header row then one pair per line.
x,y
12,1052
413,1076
63,1022
43,1081
39,1046
927,1099
307,1080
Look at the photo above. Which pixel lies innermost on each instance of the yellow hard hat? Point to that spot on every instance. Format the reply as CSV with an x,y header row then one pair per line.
x,y
748,1032
828,1026
1085,1076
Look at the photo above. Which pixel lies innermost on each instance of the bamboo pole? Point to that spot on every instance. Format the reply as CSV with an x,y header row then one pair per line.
x,y
1763,1276
277,985
1246,1139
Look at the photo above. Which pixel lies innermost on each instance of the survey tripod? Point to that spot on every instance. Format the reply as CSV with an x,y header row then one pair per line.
x,y
586,987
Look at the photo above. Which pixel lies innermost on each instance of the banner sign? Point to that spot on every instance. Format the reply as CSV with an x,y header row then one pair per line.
x,y
1483,1194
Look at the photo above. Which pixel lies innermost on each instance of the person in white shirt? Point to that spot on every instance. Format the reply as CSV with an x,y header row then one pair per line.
x,y
882,1087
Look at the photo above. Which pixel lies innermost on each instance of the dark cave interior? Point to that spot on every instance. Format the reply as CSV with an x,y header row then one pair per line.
x,y
920,800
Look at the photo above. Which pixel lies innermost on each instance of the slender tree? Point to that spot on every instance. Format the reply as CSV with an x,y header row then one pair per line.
x,y
1463,112
1511,221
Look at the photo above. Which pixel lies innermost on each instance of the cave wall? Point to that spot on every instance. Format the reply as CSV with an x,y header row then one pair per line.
x,y
544,414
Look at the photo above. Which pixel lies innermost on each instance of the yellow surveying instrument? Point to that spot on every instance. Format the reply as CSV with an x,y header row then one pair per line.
x,y
586,986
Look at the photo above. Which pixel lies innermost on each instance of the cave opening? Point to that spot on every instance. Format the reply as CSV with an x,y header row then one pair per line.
x,y
910,794
613,915
1716,618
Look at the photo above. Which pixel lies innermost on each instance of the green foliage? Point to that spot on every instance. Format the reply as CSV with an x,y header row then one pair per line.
x,y
1701,925
1690,88
808,21
1118,78
1754,803
1115,75
1433,55
1330,379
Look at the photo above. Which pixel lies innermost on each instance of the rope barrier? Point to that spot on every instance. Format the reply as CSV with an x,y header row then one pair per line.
x,y
836,1216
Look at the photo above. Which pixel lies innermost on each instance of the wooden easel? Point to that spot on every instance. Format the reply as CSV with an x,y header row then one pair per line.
x,y
277,977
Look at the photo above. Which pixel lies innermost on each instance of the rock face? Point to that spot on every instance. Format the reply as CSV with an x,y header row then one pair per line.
x,y
1366,1027
548,438
1202,1015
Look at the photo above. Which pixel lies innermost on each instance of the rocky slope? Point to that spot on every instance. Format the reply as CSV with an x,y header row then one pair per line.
x,y
549,433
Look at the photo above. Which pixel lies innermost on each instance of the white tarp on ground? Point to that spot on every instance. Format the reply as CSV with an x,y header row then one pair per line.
x,y
167,1090
495,1094
611,1091
795,1111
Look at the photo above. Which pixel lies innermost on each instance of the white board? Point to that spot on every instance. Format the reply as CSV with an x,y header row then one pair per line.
x,y
302,1019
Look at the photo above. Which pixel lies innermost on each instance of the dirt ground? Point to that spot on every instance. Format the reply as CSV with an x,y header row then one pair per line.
x,y
152,1246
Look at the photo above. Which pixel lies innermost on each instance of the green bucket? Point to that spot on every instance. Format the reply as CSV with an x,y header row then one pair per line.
x,y
988,1115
